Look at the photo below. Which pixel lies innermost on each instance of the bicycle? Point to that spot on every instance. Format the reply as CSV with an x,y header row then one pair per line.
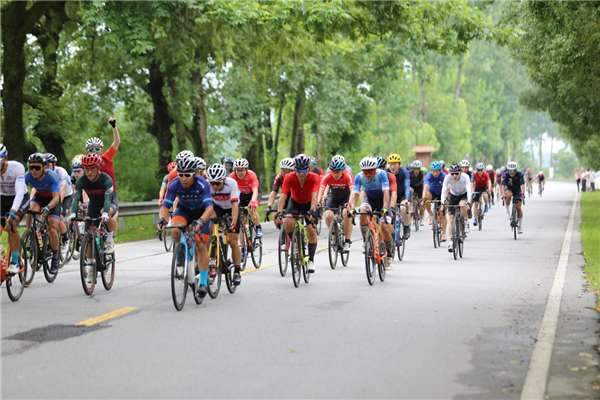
x,y
529,188
74,233
514,219
458,231
165,235
217,248
298,249
93,243
398,236
416,211
249,243
436,225
540,189
480,209
321,210
375,251
337,238
283,246
36,240
15,283
184,267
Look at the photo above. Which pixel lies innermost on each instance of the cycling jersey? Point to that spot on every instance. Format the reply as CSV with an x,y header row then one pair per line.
x,y
457,188
64,180
195,197
301,194
12,183
528,176
318,171
481,182
374,187
416,181
165,181
339,188
393,184
100,193
403,182
435,184
48,185
227,195
541,177
107,164
513,184
249,182
277,182
492,176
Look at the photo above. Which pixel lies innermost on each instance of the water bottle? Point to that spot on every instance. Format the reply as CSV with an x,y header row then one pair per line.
x,y
98,244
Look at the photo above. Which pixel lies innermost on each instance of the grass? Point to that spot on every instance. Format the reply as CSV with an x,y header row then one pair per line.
x,y
590,237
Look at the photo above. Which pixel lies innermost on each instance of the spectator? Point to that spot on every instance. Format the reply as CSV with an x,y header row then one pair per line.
x,y
583,179
592,180
577,178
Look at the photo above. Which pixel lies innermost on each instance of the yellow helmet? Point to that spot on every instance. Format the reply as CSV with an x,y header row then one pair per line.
x,y
394,158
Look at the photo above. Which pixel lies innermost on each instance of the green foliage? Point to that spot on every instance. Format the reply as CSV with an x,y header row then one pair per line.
x,y
590,237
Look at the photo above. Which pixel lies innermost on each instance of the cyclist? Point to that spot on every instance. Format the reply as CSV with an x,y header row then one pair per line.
x,y
13,199
227,161
513,186
339,157
490,171
340,183
163,187
249,188
403,183
181,155
460,193
77,172
481,183
416,186
541,180
432,190
201,167
195,205
376,187
286,165
313,168
46,199
302,187
465,166
382,165
528,176
226,197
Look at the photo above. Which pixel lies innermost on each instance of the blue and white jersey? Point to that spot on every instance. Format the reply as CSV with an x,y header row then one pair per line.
x,y
374,187
513,183
195,197
435,184
46,186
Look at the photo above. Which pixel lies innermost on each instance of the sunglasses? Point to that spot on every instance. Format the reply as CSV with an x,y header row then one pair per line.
x,y
95,149
302,171
454,173
214,183
185,175
369,171
512,171
34,167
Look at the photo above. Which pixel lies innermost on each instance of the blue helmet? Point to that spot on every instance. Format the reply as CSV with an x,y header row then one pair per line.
x,y
436,166
302,161
337,165
381,162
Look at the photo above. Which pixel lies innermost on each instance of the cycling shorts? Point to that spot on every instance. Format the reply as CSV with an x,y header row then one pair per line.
x,y
373,203
245,198
66,205
476,196
43,202
336,202
222,212
435,196
185,215
6,204
418,190
455,201
297,208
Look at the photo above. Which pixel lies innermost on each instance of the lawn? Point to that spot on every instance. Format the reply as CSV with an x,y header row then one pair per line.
x,y
590,237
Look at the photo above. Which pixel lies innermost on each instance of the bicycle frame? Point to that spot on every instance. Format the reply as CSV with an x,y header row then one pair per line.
x,y
375,229
188,239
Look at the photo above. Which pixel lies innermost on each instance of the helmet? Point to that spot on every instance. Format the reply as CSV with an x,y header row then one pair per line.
x,y
226,160
91,160
37,158
3,151
417,164
498,171
241,163
381,163
470,169
436,166
171,166
184,154
216,173
465,163
313,161
51,158
443,163
394,158
368,163
93,142
337,165
502,169
188,164
338,157
512,165
489,168
528,170
480,166
201,163
76,164
301,161
287,163
541,172
454,167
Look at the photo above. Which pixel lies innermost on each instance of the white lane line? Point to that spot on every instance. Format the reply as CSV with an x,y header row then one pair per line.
x,y
537,375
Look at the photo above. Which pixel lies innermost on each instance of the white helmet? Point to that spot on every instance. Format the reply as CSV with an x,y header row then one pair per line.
x,y
368,163
187,165
512,165
201,163
480,166
465,163
216,173
93,142
338,157
541,172
241,163
3,151
489,167
498,171
417,164
287,163
184,154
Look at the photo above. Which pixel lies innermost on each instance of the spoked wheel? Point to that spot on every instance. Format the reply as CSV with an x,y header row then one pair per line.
x,y
179,275
243,241
72,235
435,232
318,229
333,245
480,218
167,239
214,282
370,264
296,258
30,255
345,254
305,272
381,265
88,275
50,277
229,271
283,251
108,275
461,241
15,284
455,237
256,250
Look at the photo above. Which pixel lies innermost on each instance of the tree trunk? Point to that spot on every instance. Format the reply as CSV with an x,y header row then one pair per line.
x,y
277,133
199,129
540,152
297,146
180,129
270,148
551,151
457,90
424,104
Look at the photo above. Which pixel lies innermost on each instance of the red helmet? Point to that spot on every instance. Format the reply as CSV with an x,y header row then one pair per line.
x,y
91,160
171,166
528,170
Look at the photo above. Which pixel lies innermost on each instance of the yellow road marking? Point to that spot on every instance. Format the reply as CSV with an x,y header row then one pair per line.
x,y
323,248
252,269
107,316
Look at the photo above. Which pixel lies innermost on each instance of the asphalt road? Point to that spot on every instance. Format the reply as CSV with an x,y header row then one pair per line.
x,y
436,328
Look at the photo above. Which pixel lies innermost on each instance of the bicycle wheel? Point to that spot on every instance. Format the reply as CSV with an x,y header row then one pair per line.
x,y
381,265
370,264
455,236
214,282
15,284
30,254
345,257
305,273
72,234
461,241
283,251
243,242
50,277
87,247
296,257
435,231
108,275
179,275
480,217
167,239
333,246
256,249
229,270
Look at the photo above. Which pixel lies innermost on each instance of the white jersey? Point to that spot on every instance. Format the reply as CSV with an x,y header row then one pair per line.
x,y
228,194
64,179
457,188
12,183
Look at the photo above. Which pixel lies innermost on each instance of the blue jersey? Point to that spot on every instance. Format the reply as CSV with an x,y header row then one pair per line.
x,y
403,182
513,184
46,186
374,187
435,184
195,197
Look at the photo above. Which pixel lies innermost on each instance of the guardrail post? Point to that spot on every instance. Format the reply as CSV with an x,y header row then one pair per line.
x,y
122,223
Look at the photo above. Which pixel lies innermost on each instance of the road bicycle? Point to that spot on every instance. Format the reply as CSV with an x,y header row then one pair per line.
x,y
298,250
15,283
416,211
375,251
514,219
337,238
93,258
217,247
184,267
249,243
36,241
480,209
283,245
436,225
75,231
458,231
165,236
398,236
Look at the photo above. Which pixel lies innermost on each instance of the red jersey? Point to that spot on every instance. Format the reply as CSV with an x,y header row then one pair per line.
x,y
107,165
249,182
339,188
301,194
481,182
393,183
446,171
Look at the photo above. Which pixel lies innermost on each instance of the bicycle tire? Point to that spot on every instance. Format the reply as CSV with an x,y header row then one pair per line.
x,y
296,258
50,277
214,283
455,235
305,272
72,235
15,284
283,251
461,241
381,265
257,251
435,231
108,275
179,284
370,264
345,255
167,239
87,241
480,217
243,243
30,248
332,249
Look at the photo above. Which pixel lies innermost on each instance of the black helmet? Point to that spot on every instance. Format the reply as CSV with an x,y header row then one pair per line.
x,y
37,158
455,168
